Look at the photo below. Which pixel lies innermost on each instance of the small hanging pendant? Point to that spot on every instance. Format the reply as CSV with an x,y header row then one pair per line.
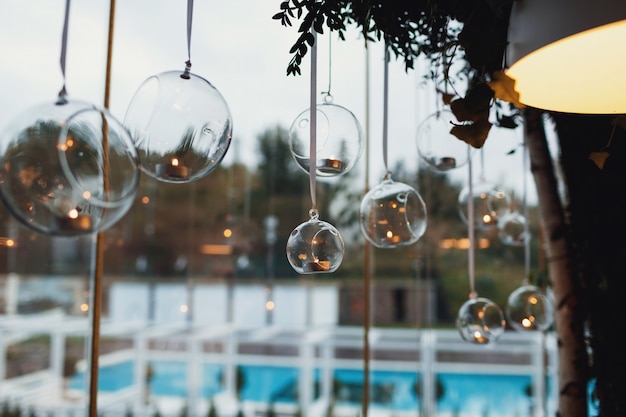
x,y
315,246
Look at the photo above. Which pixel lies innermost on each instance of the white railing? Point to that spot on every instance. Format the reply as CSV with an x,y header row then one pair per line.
x,y
321,350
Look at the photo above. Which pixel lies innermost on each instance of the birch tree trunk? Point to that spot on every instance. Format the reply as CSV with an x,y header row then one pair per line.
x,y
569,313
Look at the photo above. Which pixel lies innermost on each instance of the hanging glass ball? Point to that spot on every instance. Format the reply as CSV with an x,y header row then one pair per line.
x,y
513,229
315,246
529,308
491,202
67,168
181,125
392,214
437,147
339,139
480,321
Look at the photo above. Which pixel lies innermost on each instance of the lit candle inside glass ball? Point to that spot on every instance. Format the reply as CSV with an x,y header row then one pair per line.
x,y
338,135
491,203
437,147
529,308
392,214
52,168
181,116
315,246
513,229
480,321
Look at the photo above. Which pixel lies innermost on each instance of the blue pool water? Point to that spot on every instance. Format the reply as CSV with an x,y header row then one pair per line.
x,y
480,394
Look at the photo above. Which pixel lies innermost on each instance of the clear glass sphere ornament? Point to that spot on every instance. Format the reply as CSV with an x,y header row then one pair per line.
x,y
437,147
392,214
528,308
315,246
181,126
513,229
67,168
491,202
339,139
480,321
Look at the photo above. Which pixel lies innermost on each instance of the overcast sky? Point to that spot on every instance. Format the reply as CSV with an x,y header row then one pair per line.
x,y
240,50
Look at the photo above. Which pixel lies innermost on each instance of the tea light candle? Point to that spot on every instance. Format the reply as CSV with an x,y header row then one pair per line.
x,y
330,165
479,338
74,221
316,266
391,237
174,170
446,163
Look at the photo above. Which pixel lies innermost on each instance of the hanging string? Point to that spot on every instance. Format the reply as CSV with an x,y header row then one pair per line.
x,y
189,22
482,164
313,125
470,226
63,92
328,97
386,110
525,211
367,251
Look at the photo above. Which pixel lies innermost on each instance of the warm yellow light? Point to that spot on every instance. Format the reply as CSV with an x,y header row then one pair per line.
x,y
84,307
145,199
216,249
526,323
389,234
463,243
270,305
486,218
72,214
533,300
582,73
175,162
86,195
228,233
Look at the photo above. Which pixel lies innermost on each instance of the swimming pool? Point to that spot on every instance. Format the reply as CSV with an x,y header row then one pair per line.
x,y
458,392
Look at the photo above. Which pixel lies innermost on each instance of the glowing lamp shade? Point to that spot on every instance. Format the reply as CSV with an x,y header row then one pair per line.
x,y
480,321
565,57
392,214
181,126
67,168
315,246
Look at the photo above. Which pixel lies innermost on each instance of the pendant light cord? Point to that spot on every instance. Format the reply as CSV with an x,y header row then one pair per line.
x,y
386,111
66,20
470,226
313,124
